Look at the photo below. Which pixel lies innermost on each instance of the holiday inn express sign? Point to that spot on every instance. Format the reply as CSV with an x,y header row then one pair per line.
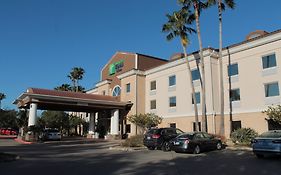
x,y
116,67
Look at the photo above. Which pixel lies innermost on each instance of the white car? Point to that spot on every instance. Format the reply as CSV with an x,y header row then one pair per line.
x,y
51,134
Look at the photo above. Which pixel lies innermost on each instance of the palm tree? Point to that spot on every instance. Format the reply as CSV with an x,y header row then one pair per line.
x,y
64,87
221,7
197,7
177,27
2,97
75,75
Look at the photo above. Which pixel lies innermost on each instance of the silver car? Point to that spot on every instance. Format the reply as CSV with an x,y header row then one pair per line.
x,y
52,134
268,143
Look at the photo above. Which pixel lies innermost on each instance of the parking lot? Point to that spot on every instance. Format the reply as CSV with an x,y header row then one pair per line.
x,y
82,156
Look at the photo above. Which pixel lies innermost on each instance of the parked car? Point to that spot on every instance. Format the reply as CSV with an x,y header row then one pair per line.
x,y
159,138
51,134
268,143
8,131
195,142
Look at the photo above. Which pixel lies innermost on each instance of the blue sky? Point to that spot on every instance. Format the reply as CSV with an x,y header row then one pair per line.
x,y
41,40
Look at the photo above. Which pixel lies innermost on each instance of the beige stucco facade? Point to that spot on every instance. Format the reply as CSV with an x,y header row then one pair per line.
x,y
251,79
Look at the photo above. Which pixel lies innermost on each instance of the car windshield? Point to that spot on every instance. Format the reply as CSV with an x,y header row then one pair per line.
x,y
186,136
52,130
153,131
271,134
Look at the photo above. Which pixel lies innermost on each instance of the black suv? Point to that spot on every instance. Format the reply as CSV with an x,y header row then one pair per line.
x,y
159,138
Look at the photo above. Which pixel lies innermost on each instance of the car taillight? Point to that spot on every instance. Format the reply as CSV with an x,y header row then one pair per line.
x,y
155,136
276,141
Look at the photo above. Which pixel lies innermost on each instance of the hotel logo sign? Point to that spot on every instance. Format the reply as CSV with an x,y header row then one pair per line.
x,y
116,67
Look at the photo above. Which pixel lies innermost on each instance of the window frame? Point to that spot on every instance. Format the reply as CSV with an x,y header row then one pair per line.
x,y
266,90
195,74
152,105
154,81
171,104
231,92
128,87
174,82
267,57
197,101
230,69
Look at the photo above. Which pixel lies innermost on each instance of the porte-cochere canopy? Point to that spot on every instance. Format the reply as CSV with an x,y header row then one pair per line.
x,y
69,101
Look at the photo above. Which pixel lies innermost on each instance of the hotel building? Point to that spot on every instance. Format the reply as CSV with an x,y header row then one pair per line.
x,y
251,76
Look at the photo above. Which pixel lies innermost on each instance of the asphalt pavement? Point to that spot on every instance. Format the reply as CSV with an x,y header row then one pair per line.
x,y
84,156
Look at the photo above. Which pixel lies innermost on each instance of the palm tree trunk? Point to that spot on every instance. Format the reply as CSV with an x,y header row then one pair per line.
x,y
222,131
203,104
192,89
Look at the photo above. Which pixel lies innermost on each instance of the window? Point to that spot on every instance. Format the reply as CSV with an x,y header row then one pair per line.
x,y
271,89
173,101
128,128
173,125
128,88
232,69
172,80
195,74
268,61
194,128
236,125
103,92
116,91
153,104
197,96
153,85
234,95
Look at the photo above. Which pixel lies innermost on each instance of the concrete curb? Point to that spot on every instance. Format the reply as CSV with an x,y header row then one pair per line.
x,y
239,148
22,142
120,148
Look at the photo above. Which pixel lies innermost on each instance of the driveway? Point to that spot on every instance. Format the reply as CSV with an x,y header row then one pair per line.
x,y
95,157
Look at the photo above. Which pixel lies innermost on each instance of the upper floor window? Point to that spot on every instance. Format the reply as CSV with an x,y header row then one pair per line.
x,y
195,74
103,92
234,95
116,91
268,61
197,96
232,69
128,88
153,85
271,89
153,104
172,80
173,101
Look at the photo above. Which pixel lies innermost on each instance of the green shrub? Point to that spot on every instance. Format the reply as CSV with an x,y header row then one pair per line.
x,y
134,141
243,136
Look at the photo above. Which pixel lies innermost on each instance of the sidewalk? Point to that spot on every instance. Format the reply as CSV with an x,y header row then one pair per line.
x,y
8,136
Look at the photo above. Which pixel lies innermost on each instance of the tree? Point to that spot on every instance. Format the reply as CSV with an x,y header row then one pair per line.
x,y
75,75
64,87
197,7
221,7
177,26
8,119
54,119
2,97
145,121
274,113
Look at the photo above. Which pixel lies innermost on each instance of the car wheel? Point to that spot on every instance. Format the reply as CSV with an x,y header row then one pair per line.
x,y
151,147
219,146
166,146
197,149
260,156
